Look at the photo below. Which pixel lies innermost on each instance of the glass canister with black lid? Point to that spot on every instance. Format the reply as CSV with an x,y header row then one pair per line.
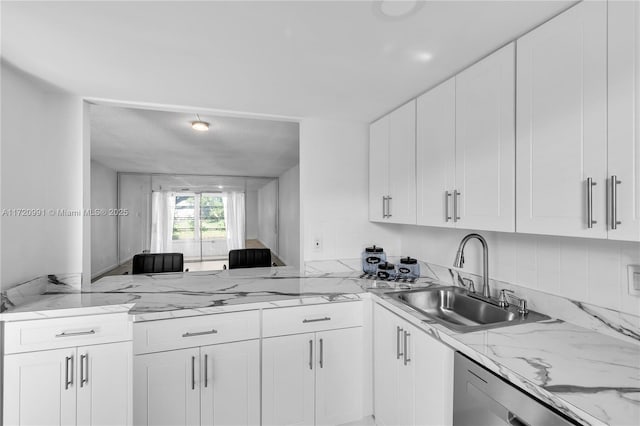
x,y
408,268
386,271
371,257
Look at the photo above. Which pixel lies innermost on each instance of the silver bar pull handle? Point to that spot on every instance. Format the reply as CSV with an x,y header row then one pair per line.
x,y
193,372
200,333
75,333
389,198
447,216
310,354
590,185
206,370
321,360
84,369
305,321
68,372
398,348
406,348
384,206
614,202
456,217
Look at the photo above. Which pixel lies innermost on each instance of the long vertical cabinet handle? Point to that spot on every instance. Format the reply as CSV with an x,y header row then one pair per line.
x,y
84,369
590,185
456,217
389,198
614,202
447,216
68,372
384,206
406,348
310,354
398,348
193,373
321,360
206,370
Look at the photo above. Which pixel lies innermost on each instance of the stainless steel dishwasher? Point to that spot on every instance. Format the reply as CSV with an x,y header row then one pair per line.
x,y
480,398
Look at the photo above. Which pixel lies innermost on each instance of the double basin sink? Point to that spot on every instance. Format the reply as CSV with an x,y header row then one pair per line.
x,y
461,311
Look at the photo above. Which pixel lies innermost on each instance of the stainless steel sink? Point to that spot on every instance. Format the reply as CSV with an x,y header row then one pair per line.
x,y
462,311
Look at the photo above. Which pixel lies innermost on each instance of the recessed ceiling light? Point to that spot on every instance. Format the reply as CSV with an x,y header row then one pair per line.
x,y
396,9
422,56
199,125
220,186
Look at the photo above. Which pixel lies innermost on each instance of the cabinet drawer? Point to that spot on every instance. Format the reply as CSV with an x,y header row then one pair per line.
x,y
54,333
163,335
304,319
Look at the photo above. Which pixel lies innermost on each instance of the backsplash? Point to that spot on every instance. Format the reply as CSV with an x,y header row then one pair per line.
x,y
614,323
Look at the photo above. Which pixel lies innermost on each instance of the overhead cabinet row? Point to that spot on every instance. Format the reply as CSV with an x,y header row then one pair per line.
x,y
458,155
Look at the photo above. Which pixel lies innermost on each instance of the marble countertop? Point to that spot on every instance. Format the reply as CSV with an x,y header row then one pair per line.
x,y
589,376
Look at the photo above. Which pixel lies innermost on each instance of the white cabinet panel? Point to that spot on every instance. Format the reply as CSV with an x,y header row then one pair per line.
x,y
378,168
561,123
485,143
166,388
40,388
624,116
402,165
230,384
104,384
288,376
386,350
339,380
436,153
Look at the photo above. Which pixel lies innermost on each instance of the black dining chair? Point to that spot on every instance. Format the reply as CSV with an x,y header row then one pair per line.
x,y
155,263
250,258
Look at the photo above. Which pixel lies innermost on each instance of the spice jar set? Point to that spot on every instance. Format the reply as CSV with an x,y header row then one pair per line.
x,y
375,266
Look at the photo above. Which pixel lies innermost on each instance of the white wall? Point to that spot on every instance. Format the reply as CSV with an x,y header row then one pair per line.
x,y
268,215
289,217
134,193
104,229
334,176
42,167
251,216
587,270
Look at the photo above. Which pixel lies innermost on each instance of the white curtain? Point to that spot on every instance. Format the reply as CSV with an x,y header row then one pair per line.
x,y
234,219
163,204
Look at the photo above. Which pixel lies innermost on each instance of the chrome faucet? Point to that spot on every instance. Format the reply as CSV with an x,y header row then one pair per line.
x,y
459,262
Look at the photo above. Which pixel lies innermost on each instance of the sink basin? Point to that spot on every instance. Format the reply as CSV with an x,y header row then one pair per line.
x,y
462,311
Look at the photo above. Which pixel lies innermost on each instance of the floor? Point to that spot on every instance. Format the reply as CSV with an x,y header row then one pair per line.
x,y
207,265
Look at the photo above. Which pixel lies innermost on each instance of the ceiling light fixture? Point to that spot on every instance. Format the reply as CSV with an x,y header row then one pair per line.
x,y
393,10
199,125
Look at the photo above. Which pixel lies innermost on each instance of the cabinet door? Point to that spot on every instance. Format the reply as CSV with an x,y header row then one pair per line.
x,y
104,384
624,116
378,168
288,377
40,388
387,343
339,376
402,165
432,375
485,143
562,123
230,384
436,152
166,388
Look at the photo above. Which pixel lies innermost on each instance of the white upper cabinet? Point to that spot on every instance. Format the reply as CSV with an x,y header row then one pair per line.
x,y
436,155
624,119
392,167
466,148
485,144
562,124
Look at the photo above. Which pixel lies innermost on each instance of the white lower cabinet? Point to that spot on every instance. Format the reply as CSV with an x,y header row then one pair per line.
x,y
312,378
209,385
75,385
413,374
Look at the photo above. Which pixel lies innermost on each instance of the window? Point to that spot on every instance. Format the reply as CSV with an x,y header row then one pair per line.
x,y
198,217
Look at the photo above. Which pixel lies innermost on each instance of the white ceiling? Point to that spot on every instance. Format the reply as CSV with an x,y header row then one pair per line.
x,y
331,59
138,140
